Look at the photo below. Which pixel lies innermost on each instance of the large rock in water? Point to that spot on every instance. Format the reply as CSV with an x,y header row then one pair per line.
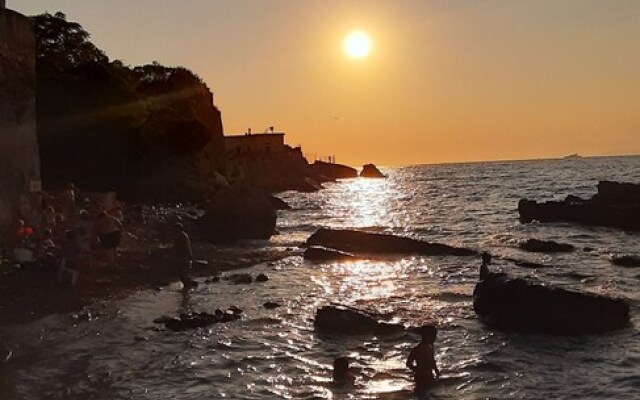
x,y
546,246
618,193
521,305
239,212
371,171
364,242
334,171
615,205
343,320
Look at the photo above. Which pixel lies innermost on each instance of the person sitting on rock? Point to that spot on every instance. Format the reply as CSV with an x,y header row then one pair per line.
x,y
109,232
342,375
183,255
422,361
484,268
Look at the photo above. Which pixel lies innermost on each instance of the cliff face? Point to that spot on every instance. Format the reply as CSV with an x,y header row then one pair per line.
x,y
274,172
19,161
150,132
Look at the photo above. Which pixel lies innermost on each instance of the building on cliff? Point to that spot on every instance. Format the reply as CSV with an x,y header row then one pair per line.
x,y
19,154
247,143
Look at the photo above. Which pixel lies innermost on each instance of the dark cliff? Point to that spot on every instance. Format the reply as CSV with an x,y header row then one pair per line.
x,y
151,132
19,162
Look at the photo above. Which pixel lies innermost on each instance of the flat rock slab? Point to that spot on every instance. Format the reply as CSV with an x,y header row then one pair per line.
x,y
376,243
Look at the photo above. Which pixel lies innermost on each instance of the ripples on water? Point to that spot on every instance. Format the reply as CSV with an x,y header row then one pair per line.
x,y
276,353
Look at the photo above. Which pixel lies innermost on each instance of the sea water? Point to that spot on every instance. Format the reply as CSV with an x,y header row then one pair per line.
x,y
272,354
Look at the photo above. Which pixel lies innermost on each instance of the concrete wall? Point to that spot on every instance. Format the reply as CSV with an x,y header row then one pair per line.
x,y
256,143
19,155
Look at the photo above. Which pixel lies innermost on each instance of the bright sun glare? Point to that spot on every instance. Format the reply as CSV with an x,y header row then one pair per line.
x,y
357,45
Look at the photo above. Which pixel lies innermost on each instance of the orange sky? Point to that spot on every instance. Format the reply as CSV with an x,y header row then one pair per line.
x,y
446,81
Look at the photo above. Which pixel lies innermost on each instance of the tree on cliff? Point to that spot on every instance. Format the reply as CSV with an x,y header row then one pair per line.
x,y
63,45
103,124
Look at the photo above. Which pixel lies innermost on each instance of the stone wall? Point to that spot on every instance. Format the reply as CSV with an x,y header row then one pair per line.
x,y
19,155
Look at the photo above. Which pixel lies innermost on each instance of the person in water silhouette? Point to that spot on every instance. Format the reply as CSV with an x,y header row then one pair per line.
x,y
422,361
183,255
341,373
484,268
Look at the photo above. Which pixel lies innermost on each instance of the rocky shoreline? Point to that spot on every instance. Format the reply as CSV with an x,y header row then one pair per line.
x,y
32,292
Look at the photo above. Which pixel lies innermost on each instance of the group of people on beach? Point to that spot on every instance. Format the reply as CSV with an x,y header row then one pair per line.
x,y
421,362
71,236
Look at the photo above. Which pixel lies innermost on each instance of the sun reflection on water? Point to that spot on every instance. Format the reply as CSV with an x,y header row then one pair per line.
x,y
364,202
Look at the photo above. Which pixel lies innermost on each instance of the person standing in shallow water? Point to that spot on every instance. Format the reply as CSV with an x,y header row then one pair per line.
x,y
342,375
484,268
183,255
422,360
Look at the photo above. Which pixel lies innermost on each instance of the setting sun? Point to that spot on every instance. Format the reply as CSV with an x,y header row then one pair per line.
x,y
357,45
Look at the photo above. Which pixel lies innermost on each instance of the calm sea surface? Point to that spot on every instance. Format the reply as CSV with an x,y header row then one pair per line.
x,y
273,354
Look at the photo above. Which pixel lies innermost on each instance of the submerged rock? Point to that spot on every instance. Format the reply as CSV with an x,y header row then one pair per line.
x,y
269,305
371,171
626,261
546,246
319,253
345,320
199,320
262,278
364,242
525,306
240,278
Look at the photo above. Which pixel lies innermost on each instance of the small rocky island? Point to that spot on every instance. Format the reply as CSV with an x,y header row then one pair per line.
x,y
371,171
615,205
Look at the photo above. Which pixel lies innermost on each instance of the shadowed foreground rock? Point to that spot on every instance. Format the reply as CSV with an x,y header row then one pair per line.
x,y
364,242
341,320
615,205
371,171
521,305
239,212
319,253
546,246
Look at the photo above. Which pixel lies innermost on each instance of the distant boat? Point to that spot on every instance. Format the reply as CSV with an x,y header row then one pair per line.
x,y
572,156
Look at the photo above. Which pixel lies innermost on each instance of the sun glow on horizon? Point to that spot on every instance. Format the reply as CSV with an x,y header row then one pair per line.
x,y
357,45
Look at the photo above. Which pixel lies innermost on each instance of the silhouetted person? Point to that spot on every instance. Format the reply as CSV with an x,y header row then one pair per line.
x,y
183,255
422,361
484,268
109,232
68,201
341,373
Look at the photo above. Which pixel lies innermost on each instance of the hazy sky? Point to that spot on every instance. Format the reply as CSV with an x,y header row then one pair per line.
x,y
445,81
